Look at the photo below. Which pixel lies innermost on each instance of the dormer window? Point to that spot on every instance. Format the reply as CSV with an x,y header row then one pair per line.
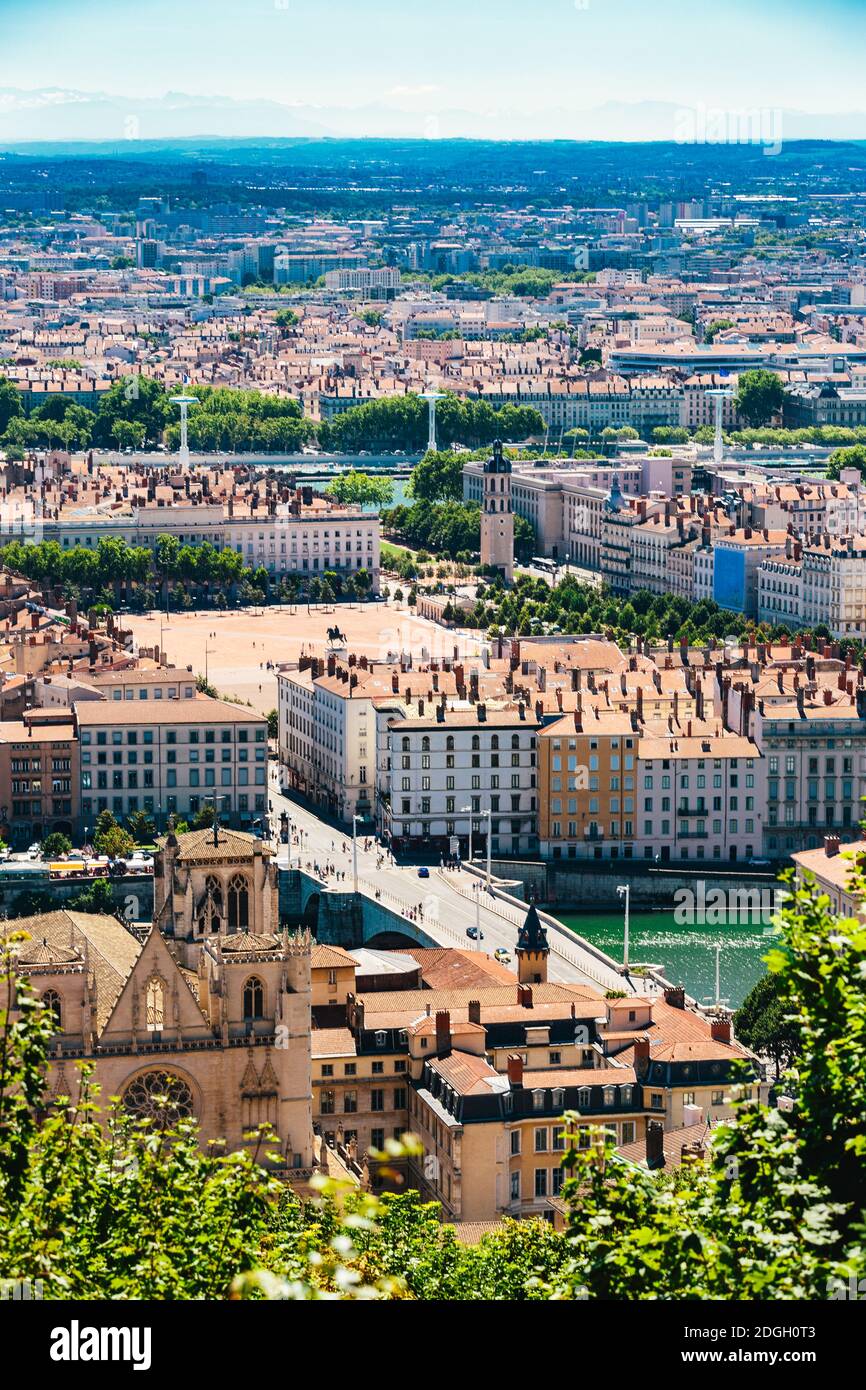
x,y
538,1098
381,1038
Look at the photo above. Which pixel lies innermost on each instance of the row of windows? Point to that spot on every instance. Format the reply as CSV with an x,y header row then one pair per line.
x,y
130,736
328,1101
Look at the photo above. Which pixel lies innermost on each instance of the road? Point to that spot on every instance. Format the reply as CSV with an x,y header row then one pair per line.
x,y
450,901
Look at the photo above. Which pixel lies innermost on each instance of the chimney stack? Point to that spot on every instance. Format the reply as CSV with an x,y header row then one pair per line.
x,y
515,1071
720,1030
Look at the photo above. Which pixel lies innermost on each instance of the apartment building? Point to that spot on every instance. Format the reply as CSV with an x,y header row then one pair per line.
x,y
588,787
494,1145
820,582
780,589
814,751
737,560
39,780
563,500
144,683
360,1082
172,758
449,769
835,867
305,541
700,795
493,1139
327,736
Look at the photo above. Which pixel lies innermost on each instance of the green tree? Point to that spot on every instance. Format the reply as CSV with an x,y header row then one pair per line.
x,y
760,395
847,458
356,489
55,845
273,724
763,1023
97,897
438,477
11,407
136,399
141,827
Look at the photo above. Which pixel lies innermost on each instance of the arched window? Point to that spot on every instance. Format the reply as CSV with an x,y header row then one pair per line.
x,y
425,744
476,741
214,888
494,742
210,916
154,1004
449,743
405,745
239,904
51,1000
515,740
254,998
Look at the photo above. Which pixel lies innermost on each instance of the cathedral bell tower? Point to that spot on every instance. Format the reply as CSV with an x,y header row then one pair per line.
x,y
497,518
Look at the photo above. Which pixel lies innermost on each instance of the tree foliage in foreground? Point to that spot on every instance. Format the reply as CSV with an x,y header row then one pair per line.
x,y
133,1209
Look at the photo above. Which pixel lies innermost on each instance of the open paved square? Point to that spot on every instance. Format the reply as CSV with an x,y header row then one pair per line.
x,y
241,642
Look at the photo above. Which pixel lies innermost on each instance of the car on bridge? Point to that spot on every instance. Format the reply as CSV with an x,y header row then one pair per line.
x,y
423,872
475,933
502,956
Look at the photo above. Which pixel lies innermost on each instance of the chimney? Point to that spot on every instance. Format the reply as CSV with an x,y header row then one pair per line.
x,y
443,1032
524,996
515,1071
675,997
474,1010
720,1030
831,845
655,1144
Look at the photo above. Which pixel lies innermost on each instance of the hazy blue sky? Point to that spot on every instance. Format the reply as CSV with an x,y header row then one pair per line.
x,y
476,55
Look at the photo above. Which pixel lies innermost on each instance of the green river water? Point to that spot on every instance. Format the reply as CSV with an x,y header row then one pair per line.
x,y
686,952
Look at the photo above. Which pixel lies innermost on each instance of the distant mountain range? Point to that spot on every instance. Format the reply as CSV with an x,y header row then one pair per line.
x,y
58,114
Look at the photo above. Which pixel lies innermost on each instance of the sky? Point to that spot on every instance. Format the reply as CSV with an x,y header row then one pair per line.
x,y
538,58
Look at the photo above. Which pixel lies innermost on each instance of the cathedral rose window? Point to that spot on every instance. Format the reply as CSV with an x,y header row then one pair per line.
x,y
159,1096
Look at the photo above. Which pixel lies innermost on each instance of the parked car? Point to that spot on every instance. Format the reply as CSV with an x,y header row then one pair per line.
x,y
34,852
423,872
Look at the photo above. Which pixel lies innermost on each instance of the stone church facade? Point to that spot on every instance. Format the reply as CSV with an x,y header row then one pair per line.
x,y
210,1005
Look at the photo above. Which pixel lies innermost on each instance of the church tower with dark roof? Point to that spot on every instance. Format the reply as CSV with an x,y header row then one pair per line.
x,y
532,950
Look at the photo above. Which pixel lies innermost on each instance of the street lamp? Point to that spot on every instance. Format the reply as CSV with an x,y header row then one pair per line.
x,y
476,888
623,891
467,810
356,820
489,814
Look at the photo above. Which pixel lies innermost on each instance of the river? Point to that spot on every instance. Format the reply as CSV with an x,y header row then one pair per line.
x,y
686,952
